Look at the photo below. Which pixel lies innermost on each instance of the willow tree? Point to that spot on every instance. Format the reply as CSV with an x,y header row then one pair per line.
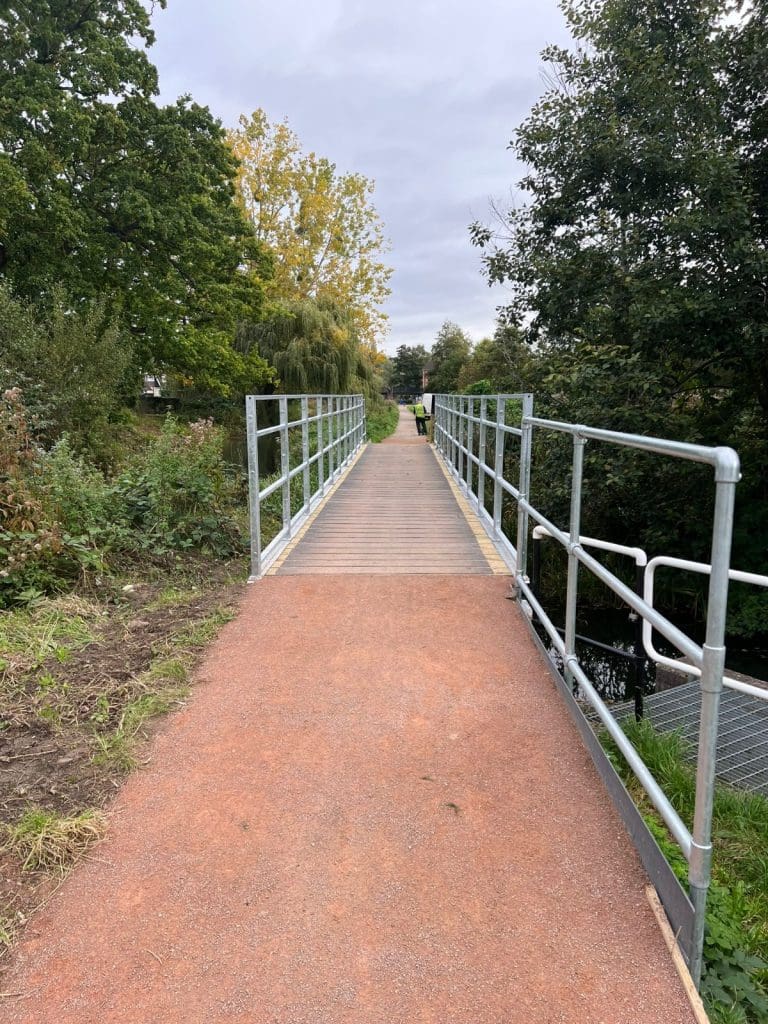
x,y
321,226
313,346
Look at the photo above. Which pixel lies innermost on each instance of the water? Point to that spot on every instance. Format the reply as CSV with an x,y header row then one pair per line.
x,y
614,675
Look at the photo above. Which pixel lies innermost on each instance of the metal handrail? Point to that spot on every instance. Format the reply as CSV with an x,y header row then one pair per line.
x,y
454,427
339,433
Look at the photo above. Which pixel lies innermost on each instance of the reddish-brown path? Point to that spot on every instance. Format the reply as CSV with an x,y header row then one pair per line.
x,y
374,810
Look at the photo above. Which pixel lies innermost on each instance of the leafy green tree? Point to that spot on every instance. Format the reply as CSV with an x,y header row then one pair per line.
x,y
407,369
314,347
637,258
73,368
322,227
449,353
502,362
638,227
108,194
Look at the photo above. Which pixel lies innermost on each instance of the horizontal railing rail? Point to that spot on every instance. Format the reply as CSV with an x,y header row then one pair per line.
x,y
320,435
457,418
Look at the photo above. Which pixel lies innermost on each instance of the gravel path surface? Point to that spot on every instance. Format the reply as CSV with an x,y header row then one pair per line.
x,y
374,810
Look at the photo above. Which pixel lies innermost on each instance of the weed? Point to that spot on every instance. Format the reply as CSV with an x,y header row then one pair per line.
x,y
735,979
7,932
205,631
45,841
28,636
117,748
381,420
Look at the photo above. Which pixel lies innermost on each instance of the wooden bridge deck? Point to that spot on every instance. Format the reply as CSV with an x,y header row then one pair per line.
x,y
374,809
395,512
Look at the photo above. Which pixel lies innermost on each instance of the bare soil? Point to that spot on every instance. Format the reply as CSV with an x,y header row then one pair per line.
x,y
50,714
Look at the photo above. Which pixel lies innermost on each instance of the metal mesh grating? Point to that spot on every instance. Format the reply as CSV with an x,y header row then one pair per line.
x,y
742,745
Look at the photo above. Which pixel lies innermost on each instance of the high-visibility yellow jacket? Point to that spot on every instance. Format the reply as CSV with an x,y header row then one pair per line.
x,y
418,410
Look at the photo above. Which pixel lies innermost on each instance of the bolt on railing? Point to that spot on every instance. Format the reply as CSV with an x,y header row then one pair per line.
x,y
317,436
455,418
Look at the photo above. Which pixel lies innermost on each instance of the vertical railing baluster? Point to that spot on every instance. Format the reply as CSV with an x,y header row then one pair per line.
x,y
285,464
524,487
498,465
254,484
320,443
470,442
727,475
572,584
305,447
481,456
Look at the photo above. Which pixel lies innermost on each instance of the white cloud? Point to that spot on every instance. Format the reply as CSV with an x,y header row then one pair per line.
x,y
422,96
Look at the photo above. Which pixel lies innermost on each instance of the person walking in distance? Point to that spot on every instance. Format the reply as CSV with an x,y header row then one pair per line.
x,y
421,418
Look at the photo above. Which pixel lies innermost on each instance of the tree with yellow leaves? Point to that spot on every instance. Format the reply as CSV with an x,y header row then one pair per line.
x,y
324,232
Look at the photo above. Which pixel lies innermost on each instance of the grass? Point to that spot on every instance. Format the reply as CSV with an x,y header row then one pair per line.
x,y
735,983
381,420
30,635
46,841
117,749
164,687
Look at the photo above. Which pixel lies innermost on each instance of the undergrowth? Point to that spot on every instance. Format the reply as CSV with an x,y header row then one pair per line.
x,y
382,420
45,841
735,978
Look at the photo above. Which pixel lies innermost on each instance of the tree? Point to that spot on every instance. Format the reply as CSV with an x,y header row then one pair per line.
x,y
109,194
502,362
449,353
321,226
639,228
313,346
637,264
408,368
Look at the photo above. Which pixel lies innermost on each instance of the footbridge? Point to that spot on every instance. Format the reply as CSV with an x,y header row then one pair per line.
x,y
384,803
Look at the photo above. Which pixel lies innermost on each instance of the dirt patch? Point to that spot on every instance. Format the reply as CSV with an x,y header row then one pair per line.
x,y
59,713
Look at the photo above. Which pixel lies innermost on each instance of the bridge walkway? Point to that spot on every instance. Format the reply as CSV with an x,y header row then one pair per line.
x,y
373,810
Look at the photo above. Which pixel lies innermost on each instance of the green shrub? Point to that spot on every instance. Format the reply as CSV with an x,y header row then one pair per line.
x,y
179,493
75,365
381,419
37,554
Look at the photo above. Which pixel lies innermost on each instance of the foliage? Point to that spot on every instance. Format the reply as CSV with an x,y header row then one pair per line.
x,y
501,364
45,841
636,263
450,351
73,363
36,553
179,494
321,226
314,347
381,420
735,978
408,369
109,194
61,518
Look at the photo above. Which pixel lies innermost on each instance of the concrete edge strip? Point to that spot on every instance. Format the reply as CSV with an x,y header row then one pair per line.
x,y
274,568
677,957
484,542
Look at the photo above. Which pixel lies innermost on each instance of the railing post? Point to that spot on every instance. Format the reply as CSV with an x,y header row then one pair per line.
x,y
524,487
460,437
305,447
285,464
712,667
481,456
470,442
320,445
572,586
498,468
254,486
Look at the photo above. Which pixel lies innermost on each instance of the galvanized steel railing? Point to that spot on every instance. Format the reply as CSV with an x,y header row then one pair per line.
x,y
316,436
456,417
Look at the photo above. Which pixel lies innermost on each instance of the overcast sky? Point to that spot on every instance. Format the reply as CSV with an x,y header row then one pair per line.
x,y
419,95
